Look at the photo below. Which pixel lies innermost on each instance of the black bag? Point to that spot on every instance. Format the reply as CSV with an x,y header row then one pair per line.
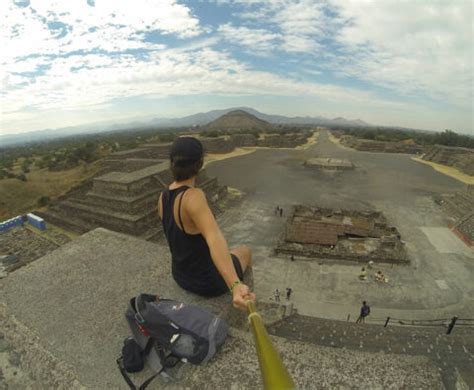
x,y
133,359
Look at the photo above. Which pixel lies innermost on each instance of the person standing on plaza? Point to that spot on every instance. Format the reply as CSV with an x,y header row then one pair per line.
x,y
289,290
277,295
364,312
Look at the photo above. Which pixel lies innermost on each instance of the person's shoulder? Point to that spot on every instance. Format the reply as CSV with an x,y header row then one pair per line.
x,y
195,199
196,193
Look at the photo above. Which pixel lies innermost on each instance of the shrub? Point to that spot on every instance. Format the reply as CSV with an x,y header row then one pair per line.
x,y
43,201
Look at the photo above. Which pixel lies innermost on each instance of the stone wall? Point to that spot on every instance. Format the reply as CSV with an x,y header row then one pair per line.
x,y
128,164
380,146
283,141
459,158
217,145
240,140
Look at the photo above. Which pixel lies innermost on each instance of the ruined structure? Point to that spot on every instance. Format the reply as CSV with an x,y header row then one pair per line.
x,y
459,158
123,197
459,208
21,245
329,164
366,145
342,235
124,202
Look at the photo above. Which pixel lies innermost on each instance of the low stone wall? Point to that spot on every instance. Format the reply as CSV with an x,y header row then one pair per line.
x,y
283,141
218,145
459,158
240,140
380,146
128,164
466,228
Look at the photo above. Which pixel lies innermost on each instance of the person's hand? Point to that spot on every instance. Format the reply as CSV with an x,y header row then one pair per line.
x,y
240,294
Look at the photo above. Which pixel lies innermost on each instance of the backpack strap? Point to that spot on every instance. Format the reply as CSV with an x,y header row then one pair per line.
x,y
125,375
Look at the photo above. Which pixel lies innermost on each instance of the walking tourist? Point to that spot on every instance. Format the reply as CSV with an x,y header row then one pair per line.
x,y
364,312
292,258
277,210
201,260
277,295
288,293
281,212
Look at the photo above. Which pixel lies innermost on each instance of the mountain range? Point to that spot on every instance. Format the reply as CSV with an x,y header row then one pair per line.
x,y
199,119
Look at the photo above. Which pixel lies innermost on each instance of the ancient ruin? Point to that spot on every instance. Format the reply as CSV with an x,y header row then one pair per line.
x,y
124,202
22,245
124,196
329,164
315,232
459,158
366,145
459,208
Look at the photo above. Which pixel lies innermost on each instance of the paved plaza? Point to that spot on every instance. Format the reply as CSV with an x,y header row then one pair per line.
x,y
392,183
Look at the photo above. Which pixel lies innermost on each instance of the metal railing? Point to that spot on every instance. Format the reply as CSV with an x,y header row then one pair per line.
x,y
448,323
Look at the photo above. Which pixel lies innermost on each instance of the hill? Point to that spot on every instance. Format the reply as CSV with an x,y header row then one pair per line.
x,y
238,119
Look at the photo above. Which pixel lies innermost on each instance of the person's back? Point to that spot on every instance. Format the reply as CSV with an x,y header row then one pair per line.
x,y
201,260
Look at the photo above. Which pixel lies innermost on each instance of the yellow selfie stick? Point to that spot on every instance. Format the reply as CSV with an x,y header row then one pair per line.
x,y
274,373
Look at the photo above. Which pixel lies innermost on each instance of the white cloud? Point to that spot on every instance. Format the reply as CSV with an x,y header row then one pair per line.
x,y
411,47
259,41
109,25
416,49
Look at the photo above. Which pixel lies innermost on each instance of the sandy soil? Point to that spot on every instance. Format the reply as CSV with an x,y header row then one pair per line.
x,y
211,157
446,170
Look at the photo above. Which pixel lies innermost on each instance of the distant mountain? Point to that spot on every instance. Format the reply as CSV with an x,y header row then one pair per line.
x,y
238,119
199,119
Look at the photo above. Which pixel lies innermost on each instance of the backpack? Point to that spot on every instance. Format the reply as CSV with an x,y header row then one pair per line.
x,y
167,332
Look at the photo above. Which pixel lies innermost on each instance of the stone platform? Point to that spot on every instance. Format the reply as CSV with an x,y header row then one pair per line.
x,y
124,202
329,164
315,232
63,319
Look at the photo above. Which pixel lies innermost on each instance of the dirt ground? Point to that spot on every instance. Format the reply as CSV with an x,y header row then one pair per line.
x,y
17,197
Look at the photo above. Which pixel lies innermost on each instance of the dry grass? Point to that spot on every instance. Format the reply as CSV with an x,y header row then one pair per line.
x,y
449,171
337,141
18,197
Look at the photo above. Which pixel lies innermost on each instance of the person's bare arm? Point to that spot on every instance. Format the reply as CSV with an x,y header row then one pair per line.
x,y
198,209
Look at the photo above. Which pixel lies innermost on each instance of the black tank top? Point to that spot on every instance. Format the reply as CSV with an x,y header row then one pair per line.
x,y
192,265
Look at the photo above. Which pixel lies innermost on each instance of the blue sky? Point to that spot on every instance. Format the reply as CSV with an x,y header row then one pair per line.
x,y
74,62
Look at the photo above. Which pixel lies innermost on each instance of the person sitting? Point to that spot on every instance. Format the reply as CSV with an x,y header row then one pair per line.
x,y
379,276
201,260
363,274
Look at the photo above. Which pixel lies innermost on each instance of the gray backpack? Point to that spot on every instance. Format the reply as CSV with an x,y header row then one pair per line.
x,y
170,330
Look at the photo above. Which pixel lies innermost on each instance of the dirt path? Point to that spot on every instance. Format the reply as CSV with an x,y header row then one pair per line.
x,y
446,170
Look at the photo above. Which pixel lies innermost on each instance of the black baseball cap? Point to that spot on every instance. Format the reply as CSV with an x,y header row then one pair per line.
x,y
187,148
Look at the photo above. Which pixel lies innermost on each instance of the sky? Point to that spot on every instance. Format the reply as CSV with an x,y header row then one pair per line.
x,y
397,63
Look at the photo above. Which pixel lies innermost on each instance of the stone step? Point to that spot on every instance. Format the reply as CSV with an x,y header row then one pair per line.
x,y
68,222
122,203
128,223
153,234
